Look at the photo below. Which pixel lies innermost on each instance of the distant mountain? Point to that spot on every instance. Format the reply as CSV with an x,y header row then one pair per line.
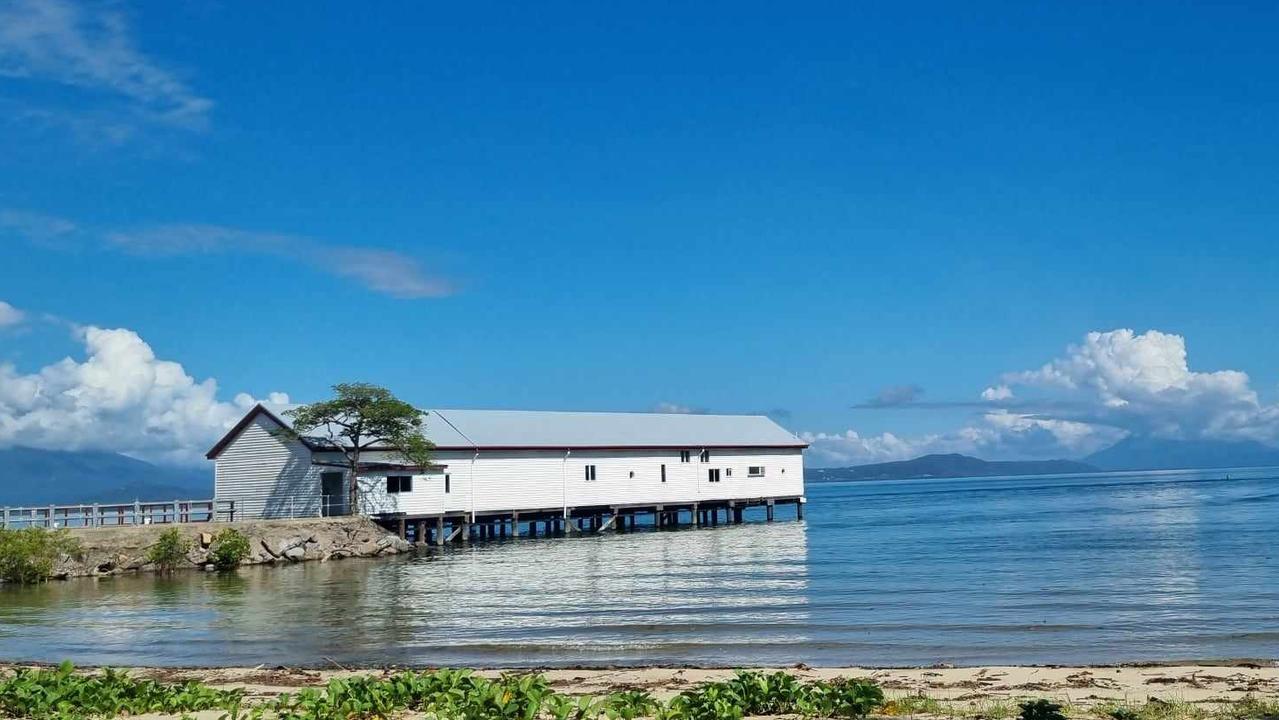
x,y
946,466
53,477
1147,453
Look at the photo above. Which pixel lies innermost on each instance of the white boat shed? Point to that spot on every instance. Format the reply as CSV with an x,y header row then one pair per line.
x,y
497,469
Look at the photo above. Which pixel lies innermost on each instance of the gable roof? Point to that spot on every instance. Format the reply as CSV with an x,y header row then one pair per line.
x,y
515,429
452,429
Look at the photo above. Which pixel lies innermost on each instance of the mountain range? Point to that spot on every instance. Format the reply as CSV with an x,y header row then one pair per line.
x,y
29,476
1132,453
944,466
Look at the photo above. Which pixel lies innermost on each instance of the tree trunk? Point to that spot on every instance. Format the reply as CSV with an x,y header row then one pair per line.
x,y
354,502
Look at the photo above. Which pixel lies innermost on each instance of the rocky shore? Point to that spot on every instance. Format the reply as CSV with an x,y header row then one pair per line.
x,y
112,551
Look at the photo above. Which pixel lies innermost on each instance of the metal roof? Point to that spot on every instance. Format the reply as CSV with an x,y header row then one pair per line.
x,y
532,429
548,429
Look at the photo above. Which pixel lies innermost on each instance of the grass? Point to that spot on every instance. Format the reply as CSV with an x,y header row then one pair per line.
x,y
62,693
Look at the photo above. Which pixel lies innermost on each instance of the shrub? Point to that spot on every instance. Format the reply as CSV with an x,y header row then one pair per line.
x,y
169,551
1041,710
230,547
28,555
63,694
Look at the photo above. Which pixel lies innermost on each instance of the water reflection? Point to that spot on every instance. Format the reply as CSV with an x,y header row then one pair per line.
x,y
685,596
1084,569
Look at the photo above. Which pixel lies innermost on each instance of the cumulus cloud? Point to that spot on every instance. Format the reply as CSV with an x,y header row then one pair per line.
x,y
120,397
1142,383
89,48
10,315
995,435
1111,385
997,393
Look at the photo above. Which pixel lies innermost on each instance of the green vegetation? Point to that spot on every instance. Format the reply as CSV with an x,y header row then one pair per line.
x,y
62,694
169,551
1249,708
29,555
360,417
229,548
1041,710
460,694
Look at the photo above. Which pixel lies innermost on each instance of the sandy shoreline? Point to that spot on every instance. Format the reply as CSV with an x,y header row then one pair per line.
x,y
1081,686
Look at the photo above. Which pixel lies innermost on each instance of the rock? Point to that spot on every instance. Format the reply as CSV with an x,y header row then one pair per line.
x,y
210,567
206,539
295,553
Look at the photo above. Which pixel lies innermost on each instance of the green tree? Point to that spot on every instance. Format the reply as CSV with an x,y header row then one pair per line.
x,y
361,418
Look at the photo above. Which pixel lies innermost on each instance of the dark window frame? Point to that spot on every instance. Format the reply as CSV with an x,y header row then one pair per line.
x,y
685,456
590,473
755,471
663,472
447,484
399,484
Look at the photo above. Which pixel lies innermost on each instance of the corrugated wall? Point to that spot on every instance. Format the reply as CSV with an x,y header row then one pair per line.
x,y
267,476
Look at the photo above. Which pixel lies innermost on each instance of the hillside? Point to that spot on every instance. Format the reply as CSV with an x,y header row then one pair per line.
x,y
946,466
1146,453
30,476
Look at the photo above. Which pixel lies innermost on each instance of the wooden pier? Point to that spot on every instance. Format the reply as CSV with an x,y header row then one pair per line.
x,y
465,527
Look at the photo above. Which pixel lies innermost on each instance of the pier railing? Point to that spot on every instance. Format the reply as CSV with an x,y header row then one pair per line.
x,y
118,514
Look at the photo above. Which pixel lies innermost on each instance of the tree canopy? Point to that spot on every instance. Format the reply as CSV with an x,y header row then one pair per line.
x,y
363,417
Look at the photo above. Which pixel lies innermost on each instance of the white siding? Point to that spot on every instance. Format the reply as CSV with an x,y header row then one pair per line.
x,y
266,475
551,479
269,476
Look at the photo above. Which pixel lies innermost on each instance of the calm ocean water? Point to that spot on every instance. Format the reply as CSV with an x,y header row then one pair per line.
x,y
1080,569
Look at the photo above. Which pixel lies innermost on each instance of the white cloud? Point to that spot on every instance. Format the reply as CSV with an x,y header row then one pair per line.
x,y
997,435
677,409
1143,383
1111,385
383,271
120,398
90,46
997,393
10,315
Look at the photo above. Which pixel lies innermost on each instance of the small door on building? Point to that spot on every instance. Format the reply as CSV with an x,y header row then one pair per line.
x,y
332,494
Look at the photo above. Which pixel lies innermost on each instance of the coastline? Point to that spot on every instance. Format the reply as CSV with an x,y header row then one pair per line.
x,y
956,691
115,550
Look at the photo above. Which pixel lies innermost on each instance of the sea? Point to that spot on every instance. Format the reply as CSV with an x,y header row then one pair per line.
x,y
1076,569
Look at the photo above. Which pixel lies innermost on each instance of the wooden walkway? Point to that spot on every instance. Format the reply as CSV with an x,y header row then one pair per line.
x,y
465,527
119,514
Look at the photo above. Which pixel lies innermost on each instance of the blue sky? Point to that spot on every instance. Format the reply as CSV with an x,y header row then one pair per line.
x,y
730,207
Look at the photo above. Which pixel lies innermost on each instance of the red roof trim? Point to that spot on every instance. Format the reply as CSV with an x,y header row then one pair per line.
x,y
687,446
261,410
234,432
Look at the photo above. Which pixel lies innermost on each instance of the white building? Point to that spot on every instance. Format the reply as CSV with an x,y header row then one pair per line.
x,y
509,467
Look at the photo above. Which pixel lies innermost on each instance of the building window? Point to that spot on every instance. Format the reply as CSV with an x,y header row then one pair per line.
x,y
706,456
728,472
399,483
590,473
446,483
632,475
663,473
712,475
685,455
755,471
